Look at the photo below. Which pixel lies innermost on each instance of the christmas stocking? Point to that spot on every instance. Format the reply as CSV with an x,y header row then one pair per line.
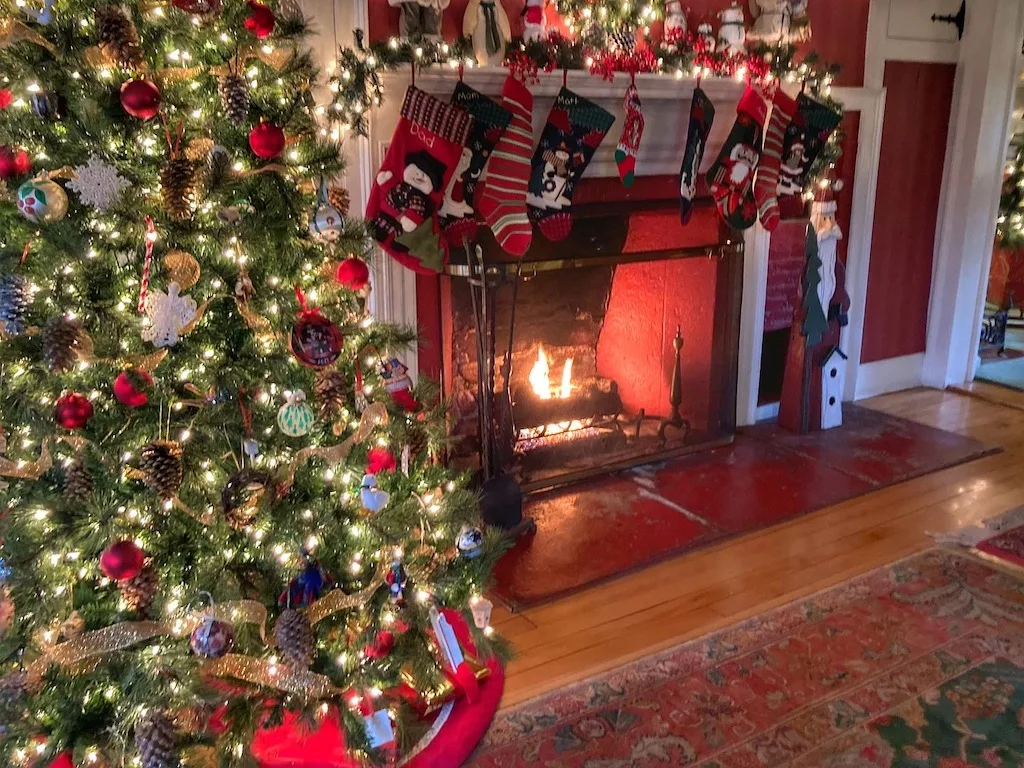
x,y
424,151
807,133
573,132
767,183
731,178
629,143
702,115
502,201
490,120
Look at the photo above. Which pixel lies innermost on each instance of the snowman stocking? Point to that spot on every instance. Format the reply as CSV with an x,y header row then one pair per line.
x,y
805,136
702,115
490,120
731,178
402,213
575,128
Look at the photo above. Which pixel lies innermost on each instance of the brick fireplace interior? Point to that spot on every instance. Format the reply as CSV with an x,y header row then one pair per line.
x,y
597,321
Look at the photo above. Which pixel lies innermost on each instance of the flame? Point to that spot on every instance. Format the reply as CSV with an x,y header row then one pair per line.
x,y
540,377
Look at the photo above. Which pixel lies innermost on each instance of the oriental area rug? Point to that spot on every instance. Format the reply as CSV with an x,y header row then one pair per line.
x,y
916,665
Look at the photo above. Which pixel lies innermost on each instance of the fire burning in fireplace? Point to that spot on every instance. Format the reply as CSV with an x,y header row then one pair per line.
x,y
540,378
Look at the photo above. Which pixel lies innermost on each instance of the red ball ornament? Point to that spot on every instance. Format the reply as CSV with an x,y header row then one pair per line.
x,y
261,20
380,459
266,141
128,388
140,98
122,560
73,410
6,97
353,273
13,162
198,7
381,647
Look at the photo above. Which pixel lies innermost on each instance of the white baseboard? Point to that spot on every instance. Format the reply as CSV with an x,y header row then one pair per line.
x,y
766,412
890,375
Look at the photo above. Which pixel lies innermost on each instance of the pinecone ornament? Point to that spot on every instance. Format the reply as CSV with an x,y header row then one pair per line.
x,y
155,738
339,198
331,390
78,483
234,95
162,469
294,637
118,37
13,687
177,183
62,338
138,593
14,302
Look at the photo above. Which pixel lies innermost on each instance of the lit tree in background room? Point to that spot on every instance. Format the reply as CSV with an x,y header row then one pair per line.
x,y
222,503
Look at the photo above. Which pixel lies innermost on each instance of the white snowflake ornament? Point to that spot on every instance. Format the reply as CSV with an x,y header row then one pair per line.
x,y
168,313
98,183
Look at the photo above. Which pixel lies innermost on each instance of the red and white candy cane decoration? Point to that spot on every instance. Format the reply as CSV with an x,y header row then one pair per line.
x,y
147,263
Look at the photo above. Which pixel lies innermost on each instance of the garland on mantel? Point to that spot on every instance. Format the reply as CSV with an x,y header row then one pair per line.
x,y
357,87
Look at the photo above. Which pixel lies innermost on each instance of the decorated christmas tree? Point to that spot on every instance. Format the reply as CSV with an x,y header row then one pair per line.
x,y
223,505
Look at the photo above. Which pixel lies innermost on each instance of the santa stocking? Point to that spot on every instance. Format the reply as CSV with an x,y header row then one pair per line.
x,y
807,133
702,115
502,201
574,129
731,178
406,195
767,183
629,143
490,120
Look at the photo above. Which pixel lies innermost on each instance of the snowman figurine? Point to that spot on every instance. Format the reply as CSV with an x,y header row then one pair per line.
x,y
706,38
779,21
732,34
486,24
675,24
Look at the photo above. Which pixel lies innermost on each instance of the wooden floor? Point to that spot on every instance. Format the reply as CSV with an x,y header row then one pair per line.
x,y
684,598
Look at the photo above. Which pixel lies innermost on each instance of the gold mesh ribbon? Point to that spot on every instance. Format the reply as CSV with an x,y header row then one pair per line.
x,y
33,470
13,31
90,645
86,351
375,415
257,323
279,676
337,600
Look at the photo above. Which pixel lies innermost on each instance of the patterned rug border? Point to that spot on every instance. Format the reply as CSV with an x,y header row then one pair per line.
x,y
662,665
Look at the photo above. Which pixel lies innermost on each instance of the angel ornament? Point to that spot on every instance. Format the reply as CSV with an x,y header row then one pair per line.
x,y
486,24
169,313
779,21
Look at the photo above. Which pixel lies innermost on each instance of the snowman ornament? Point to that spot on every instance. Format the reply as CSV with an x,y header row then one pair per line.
x,y
169,314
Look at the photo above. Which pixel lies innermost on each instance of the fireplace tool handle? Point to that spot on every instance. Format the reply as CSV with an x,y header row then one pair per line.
x,y
481,386
675,418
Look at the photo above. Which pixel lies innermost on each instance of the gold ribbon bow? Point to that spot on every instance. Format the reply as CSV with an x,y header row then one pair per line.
x,y
280,676
13,31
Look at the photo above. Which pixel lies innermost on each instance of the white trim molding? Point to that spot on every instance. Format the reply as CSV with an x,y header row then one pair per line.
x,y
755,292
983,103
890,375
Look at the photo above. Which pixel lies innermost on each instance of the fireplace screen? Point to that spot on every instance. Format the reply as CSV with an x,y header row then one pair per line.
x,y
597,365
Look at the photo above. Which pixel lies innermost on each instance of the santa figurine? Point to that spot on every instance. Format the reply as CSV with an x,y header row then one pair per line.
x,y
534,23
675,24
408,204
823,219
486,25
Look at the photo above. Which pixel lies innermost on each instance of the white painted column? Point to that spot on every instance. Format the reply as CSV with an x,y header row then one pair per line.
x,y
986,79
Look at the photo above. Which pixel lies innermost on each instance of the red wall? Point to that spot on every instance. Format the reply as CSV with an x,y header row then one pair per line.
x,y
917,108
839,28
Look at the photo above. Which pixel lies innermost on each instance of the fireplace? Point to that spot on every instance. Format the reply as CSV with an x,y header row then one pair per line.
x,y
615,347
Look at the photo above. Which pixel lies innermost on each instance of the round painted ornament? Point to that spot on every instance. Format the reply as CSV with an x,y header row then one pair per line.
x,y
266,141
73,410
326,223
315,340
353,273
212,639
140,98
42,201
122,560
295,417
470,542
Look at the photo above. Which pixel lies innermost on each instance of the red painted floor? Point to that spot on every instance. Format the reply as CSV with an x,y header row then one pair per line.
x,y
590,532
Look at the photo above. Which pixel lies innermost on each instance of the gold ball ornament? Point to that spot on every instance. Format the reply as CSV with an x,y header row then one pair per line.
x,y
182,268
42,201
